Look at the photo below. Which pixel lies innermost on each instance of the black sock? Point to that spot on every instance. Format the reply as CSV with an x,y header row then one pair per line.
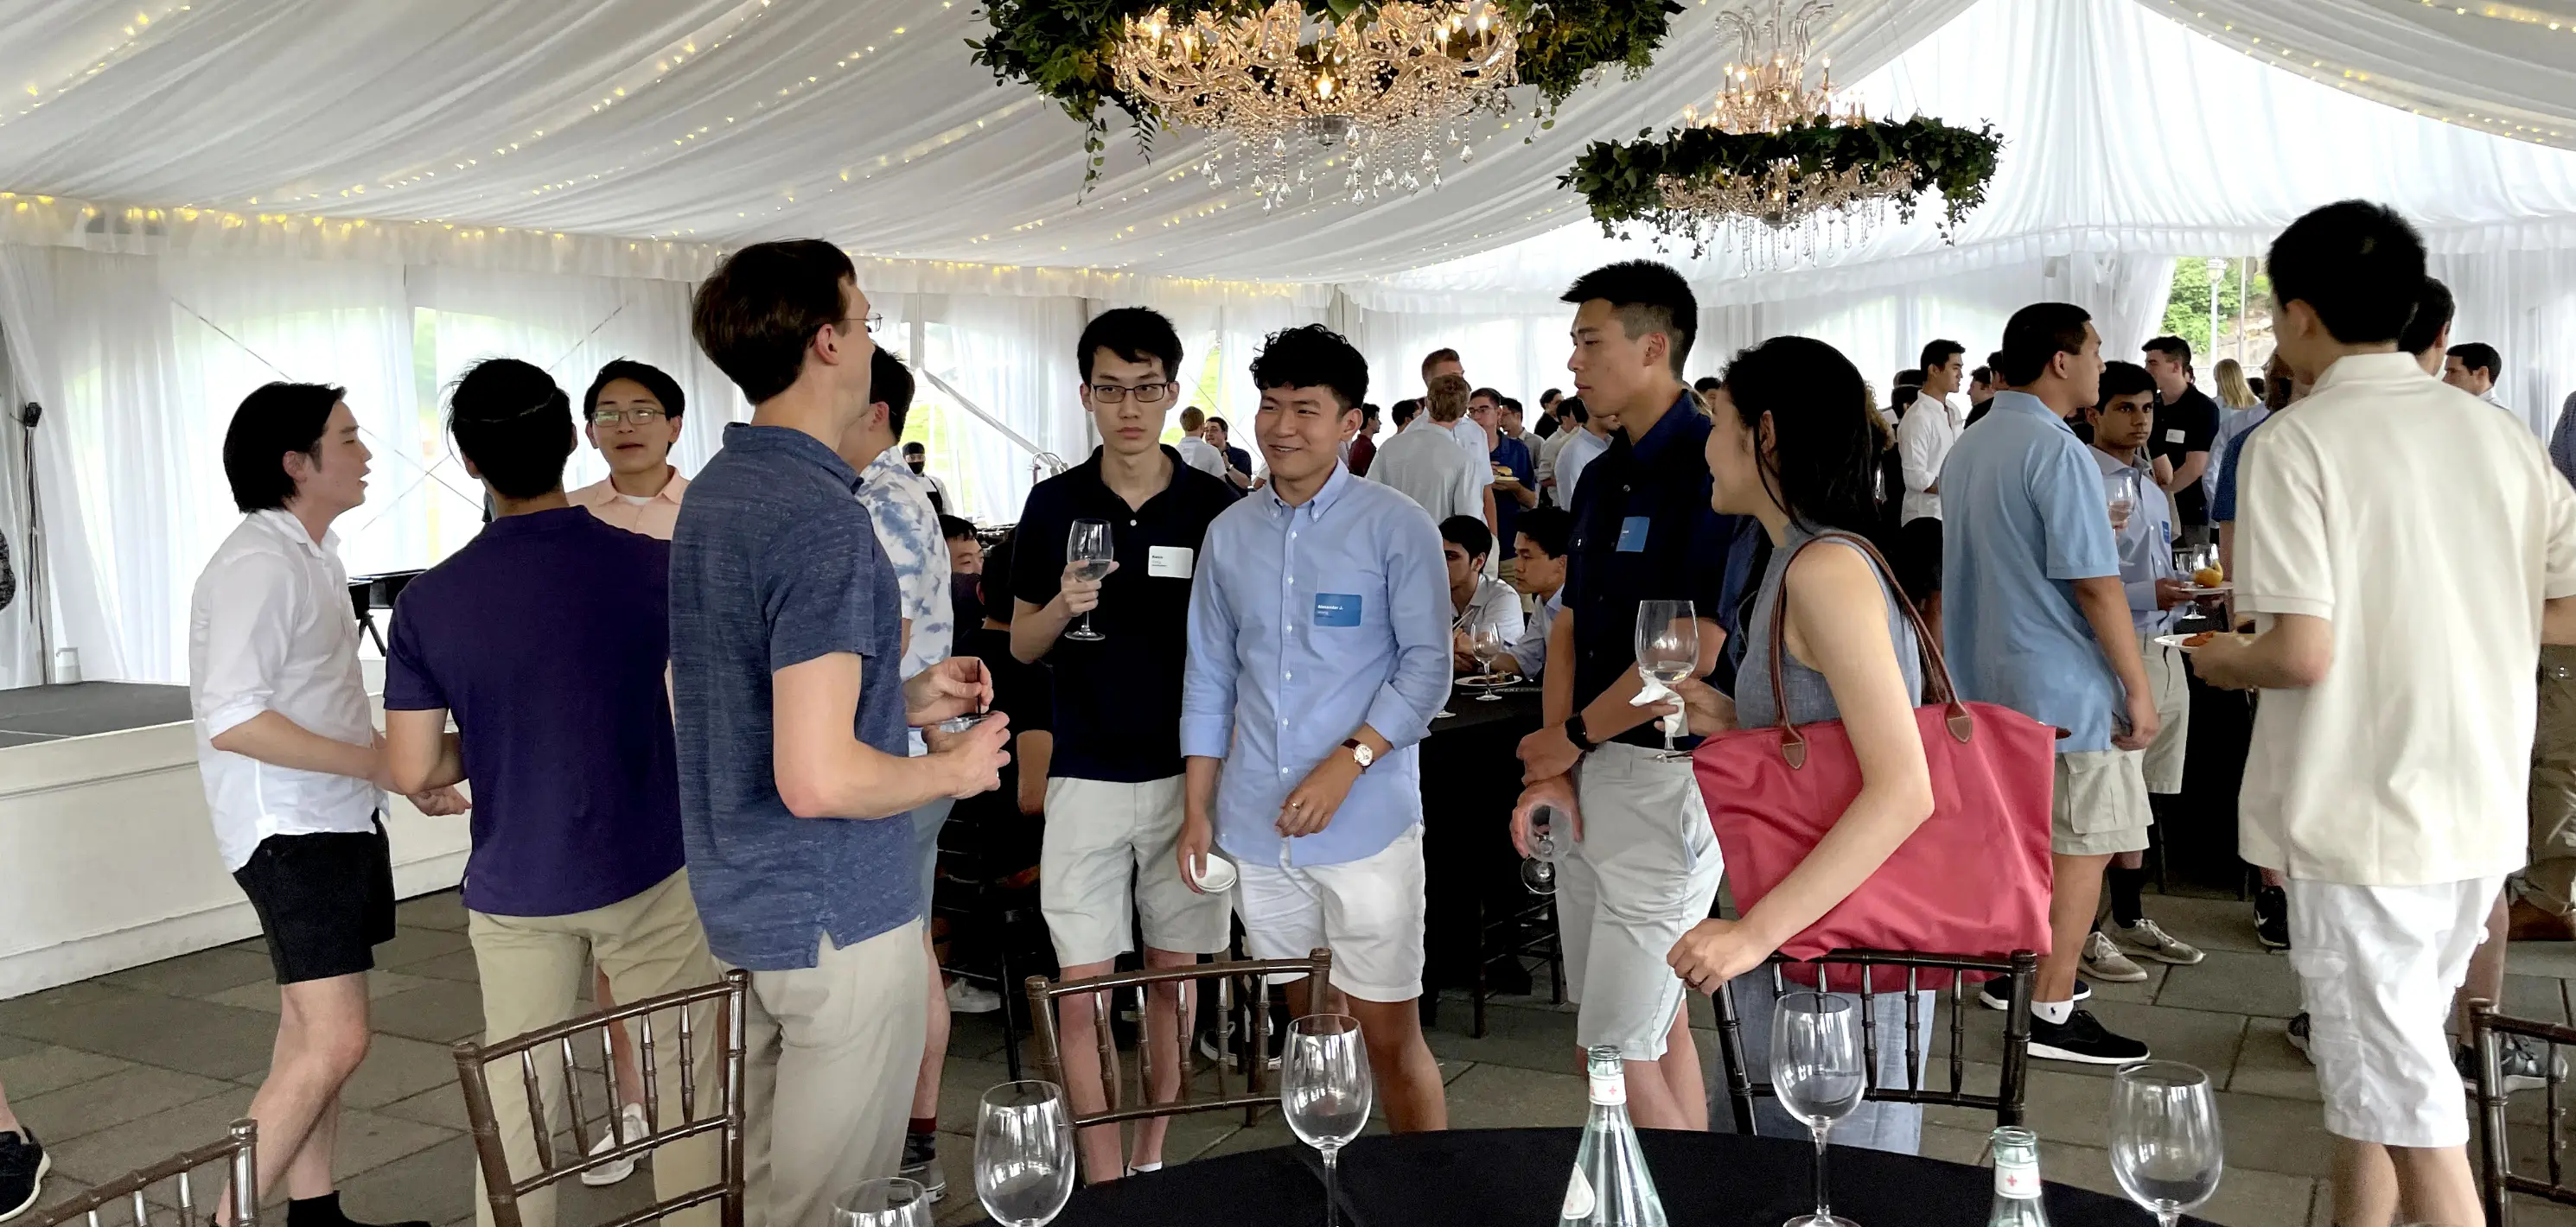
x,y
2126,884
324,1211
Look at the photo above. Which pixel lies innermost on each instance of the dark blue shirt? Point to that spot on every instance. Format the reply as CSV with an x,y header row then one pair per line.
x,y
2222,508
1643,531
1512,454
775,563
545,638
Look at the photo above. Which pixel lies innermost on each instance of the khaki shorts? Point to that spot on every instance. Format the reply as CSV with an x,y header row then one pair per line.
x,y
1368,912
2550,882
2101,804
2170,681
1108,850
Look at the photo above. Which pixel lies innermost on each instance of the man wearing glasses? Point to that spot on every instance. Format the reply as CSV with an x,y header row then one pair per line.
x,y
1114,804
632,413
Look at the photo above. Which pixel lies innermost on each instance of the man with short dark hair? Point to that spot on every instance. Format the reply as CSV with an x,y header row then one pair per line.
x,y
2036,619
1115,802
1477,602
1317,655
916,456
2472,367
2389,786
293,767
1405,411
1238,462
530,636
2186,426
1978,406
1923,440
1584,444
2428,331
1513,471
1644,865
796,789
632,415
1539,547
1361,451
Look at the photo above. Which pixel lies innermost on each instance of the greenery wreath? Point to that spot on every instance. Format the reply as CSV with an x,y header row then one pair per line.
x,y
1063,48
1623,181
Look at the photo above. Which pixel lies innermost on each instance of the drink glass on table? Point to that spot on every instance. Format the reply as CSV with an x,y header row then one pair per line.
x,y
892,1202
1324,1091
1487,643
1024,1165
1816,1068
1089,549
2165,1144
1667,649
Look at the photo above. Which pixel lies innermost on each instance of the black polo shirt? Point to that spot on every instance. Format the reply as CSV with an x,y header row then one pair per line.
x,y
1643,531
2189,424
1118,701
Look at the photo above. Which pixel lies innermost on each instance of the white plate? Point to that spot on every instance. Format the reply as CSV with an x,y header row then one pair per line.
x,y
2175,641
2197,590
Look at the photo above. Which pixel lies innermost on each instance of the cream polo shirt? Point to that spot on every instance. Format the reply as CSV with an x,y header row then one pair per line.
x,y
2428,529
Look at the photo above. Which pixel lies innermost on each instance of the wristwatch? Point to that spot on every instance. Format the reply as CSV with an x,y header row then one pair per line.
x,y
1360,753
1583,743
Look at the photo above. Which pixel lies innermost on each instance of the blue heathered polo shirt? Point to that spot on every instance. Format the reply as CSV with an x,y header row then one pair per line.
x,y
775,563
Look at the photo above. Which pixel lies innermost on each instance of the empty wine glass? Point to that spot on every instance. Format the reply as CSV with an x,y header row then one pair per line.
x,y
1090,549
891,1202
1538,870
1816,1070
2165,1145
2121,489
1324,1091
1487,643
1024,1153
1667,649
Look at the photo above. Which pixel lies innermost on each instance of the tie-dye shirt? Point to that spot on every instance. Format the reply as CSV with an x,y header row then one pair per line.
x,y
898,499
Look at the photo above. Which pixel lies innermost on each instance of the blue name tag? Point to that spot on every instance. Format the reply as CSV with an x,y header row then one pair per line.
x,y
1632,535
1337,609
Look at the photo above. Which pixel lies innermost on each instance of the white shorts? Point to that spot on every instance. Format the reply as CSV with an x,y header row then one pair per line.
x,y
1645,871
1368,912
2377,966
1108,846
2169,679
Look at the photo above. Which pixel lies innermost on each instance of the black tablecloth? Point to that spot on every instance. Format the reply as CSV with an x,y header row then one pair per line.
x,y
1516,1178
1470,780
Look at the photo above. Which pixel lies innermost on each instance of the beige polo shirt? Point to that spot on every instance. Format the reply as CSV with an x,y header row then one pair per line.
x,y
2427,528
653,517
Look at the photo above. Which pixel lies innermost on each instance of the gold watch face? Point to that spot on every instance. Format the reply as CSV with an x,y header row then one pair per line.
x,y
1363,755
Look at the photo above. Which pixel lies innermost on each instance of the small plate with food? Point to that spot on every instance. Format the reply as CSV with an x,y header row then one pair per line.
x,y
2188,643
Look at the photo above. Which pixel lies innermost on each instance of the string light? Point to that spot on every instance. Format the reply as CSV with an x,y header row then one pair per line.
x,y
2534,127
143,26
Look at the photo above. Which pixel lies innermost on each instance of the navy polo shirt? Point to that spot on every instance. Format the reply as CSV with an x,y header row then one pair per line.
x,y
545,638
1643,531
1512,454
775,563
1118,700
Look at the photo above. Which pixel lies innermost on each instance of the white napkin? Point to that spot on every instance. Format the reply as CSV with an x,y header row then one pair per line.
x,y
1654,694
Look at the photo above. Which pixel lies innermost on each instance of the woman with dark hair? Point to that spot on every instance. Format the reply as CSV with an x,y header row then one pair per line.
x,y
1797,446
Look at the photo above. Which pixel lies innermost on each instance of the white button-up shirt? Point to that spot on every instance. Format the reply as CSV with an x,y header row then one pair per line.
x,y
270,629
1923,441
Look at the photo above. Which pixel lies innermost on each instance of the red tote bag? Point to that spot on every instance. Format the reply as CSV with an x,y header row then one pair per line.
x,y
1972,880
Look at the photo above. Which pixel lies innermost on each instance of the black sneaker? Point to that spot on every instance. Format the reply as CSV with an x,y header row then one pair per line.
x,y
2272,917
2298,1035
1993,993
2081,1039
23,1164
921,1164
2518,1059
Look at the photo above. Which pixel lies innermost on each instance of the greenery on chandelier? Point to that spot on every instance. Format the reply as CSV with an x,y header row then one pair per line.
x,y
1624,181
1063,47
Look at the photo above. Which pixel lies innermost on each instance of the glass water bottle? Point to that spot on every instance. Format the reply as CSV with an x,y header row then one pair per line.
x,y
1610,1186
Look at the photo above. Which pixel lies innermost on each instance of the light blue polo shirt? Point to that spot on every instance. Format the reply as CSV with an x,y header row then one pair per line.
x,y
2022,516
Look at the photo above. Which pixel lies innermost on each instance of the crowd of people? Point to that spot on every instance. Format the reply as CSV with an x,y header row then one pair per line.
x,y
670,698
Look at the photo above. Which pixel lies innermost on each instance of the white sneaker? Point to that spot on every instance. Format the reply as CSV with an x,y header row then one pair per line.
x,y
633,1128
2148,939
2103,961
965,998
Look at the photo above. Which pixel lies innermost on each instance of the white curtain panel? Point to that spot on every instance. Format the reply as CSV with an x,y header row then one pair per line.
x,y
2524,304
1013,358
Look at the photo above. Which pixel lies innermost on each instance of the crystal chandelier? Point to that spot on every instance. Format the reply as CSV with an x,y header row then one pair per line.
x,y
1801,211
1389,85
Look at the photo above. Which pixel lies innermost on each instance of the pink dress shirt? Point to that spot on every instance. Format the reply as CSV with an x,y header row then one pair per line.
x,y
653,518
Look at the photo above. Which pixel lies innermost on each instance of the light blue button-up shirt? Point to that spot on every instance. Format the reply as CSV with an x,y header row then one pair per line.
x,y
2146,545
1305,623
2022,516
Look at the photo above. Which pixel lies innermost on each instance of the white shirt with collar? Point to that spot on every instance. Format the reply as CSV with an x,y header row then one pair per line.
x,y
1425,462
270,629
1200,454
1472,438
1495,607
1923,440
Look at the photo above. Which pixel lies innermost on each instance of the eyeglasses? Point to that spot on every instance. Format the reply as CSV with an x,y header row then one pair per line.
x,y
874,321
641,416
1152,393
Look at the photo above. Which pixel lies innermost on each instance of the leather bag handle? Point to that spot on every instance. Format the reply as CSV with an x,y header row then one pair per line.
x,y
1936,671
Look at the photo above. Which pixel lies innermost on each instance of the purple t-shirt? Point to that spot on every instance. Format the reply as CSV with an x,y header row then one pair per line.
x,y
546,638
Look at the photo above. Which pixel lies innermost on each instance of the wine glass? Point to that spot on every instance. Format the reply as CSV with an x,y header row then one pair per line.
x,y
1324,1091
2121,489
1667,649
2165,1146
1090,549
1024,1153
1538,871
1816,1071
891,1202
1487,643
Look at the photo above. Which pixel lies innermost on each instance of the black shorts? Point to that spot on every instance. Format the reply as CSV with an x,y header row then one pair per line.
x,y
324,901
1918,559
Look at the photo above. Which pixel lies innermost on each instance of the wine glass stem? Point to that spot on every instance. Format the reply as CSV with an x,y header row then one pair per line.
x,y
1086,623
1332,1191
1824,1207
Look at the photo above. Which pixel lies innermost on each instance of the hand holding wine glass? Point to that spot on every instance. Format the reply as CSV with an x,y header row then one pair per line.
x,y
1667,651
1024,1167
1090,553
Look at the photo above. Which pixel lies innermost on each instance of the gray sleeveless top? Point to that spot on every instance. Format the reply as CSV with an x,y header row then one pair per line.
x,y
1809,698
